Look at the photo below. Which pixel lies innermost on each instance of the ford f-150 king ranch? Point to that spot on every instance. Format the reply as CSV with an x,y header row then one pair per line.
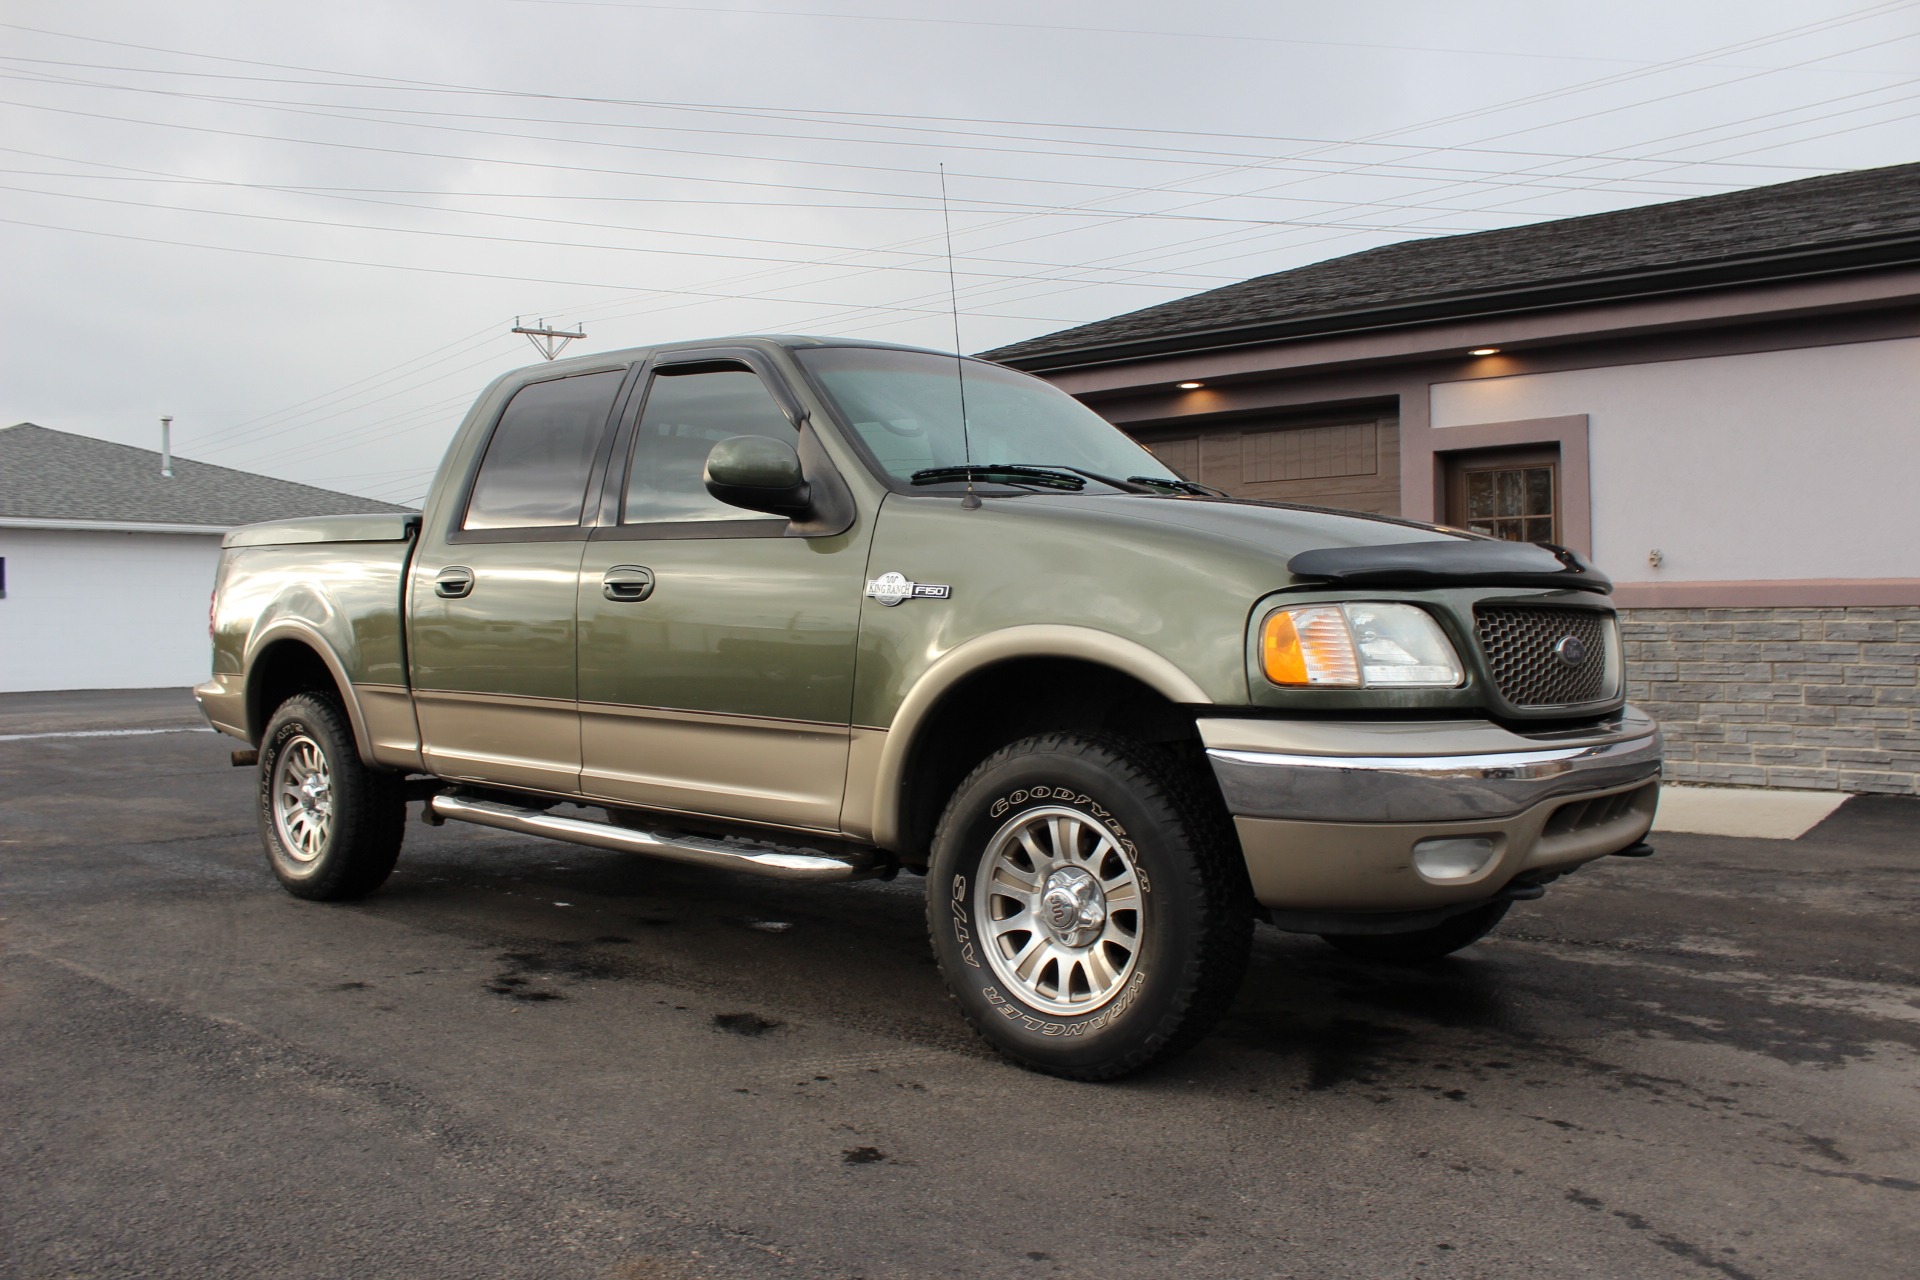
x,y
823,609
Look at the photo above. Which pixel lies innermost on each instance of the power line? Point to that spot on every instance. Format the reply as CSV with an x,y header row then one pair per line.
x,y
1862,15
448,271
1274,162
400,84
1208,155
519,240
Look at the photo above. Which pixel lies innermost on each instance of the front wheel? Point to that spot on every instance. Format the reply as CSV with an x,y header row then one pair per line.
x,y
1087,905
1443,939
331,824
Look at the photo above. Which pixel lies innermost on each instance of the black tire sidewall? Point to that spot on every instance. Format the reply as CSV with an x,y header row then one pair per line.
x,y
1148,826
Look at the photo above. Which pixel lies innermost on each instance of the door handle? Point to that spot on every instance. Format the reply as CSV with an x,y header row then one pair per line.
x,y
453,583
628,583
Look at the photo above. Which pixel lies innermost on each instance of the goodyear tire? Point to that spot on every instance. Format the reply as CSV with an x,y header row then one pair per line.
x,y
1087,905
1443,939
331,825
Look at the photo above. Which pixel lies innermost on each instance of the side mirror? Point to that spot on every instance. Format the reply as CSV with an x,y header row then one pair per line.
x,y
759,474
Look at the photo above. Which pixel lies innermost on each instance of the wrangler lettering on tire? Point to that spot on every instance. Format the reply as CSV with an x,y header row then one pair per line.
x,y
1089,913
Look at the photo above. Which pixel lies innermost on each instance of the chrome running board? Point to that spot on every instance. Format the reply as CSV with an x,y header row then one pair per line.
x,y
697,850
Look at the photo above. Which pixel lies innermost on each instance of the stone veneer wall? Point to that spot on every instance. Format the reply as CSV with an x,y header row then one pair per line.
x,y
1808,698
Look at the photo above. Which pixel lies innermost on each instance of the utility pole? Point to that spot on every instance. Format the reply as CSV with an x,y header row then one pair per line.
x,y
166,445
548,341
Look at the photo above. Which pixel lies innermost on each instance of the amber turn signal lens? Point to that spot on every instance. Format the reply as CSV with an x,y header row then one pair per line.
x,y
1309,646
1280,651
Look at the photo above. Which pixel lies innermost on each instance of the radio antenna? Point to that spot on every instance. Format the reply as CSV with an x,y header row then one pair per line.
x,y
972,500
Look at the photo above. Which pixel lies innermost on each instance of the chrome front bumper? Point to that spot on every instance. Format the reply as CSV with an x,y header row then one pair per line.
x,y
1444,788
1328,813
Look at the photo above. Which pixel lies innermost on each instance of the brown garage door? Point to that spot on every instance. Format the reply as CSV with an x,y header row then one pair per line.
x,y
1350,463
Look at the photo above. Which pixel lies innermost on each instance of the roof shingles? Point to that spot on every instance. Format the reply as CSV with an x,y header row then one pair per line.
x,y
56,475
1603,253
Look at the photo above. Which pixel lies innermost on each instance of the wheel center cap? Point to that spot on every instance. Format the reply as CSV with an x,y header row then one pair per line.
x,y
1073,906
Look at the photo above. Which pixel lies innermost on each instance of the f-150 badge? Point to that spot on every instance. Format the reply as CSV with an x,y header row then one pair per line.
x,y
895,588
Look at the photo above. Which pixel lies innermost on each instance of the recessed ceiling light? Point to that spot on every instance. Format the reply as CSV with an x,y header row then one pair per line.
x,y
1192,386
1484,351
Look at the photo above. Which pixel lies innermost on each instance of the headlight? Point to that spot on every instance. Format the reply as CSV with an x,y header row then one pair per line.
x,y
1352,646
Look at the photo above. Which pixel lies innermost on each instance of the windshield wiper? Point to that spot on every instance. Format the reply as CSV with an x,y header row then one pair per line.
x,y
1180,486
1045,477
1132,484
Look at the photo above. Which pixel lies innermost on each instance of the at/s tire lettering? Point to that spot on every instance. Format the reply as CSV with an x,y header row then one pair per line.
x,y
961,933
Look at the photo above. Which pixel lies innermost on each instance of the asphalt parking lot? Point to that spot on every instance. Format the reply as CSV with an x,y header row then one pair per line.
x,y
539,1060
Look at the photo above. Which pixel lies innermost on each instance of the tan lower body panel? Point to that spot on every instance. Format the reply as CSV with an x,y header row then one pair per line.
x,y
1368,866
393,734
515,742
223,700
785,772
857,815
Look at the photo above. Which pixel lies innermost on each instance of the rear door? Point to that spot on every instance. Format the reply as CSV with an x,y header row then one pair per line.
x,y
492,637
716,653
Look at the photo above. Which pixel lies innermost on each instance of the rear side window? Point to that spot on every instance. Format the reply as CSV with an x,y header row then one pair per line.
x,y
534,474
686,414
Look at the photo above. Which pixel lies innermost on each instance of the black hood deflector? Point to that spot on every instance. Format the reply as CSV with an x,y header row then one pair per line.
x,y
1472,562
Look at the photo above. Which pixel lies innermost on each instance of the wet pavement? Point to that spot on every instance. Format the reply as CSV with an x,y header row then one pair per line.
x,y
532,1059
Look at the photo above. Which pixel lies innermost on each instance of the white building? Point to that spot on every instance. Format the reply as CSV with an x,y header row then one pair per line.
x,y
106,563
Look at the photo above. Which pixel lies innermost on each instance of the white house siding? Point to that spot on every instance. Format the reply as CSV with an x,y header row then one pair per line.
x,y
1780,464
97,610
1798,464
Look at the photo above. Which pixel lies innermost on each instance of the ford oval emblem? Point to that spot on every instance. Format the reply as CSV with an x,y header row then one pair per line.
x,y
1571,651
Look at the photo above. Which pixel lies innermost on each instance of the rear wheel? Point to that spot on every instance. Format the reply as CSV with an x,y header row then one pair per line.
x,y
1443,939
331,825
1087,906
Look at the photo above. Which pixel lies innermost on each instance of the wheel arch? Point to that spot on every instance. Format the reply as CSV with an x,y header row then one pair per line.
x,y
290,658
1000,687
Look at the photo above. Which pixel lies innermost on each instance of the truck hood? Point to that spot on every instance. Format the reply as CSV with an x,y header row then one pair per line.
x,y
1321,546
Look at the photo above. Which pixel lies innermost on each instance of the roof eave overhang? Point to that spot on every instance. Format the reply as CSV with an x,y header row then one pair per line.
x,y
109,526
1628,287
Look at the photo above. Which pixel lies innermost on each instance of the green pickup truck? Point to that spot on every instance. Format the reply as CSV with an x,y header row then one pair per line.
x,y
820,610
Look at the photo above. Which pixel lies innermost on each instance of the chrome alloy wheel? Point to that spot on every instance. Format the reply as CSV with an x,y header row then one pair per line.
x,y
302,798
1059,901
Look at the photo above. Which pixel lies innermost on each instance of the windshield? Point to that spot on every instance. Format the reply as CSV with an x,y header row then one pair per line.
x,y
905,405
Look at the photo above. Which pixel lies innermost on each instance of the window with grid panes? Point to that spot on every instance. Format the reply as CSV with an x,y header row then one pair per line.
x,y
1513,495
1512,503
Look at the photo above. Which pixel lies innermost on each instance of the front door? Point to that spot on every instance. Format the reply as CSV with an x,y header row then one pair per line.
x,y
716,654
492,597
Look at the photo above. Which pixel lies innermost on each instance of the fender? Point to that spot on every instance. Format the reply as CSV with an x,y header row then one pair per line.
x,y
1039,640
285,628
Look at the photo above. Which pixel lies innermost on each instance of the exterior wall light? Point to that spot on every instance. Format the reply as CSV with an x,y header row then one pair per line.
x,y
1192,386
1484,351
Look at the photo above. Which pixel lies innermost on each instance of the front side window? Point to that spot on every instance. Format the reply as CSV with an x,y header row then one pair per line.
x,y
905,405
535,471
686,414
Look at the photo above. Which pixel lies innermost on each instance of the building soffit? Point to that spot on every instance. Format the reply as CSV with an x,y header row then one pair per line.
x,y
1372,350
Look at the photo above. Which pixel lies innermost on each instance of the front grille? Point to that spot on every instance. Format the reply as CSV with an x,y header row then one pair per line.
x,y
1523,645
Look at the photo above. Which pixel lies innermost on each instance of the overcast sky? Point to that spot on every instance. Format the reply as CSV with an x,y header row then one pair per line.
x,y
305,230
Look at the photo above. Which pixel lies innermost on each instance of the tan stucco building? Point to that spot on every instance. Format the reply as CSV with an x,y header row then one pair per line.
x,y
1718,399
